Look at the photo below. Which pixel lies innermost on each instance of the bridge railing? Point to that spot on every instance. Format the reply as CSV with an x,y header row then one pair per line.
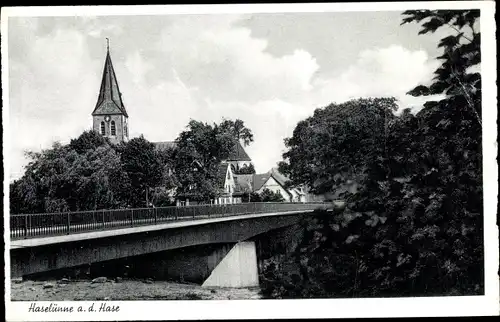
x,y
53,224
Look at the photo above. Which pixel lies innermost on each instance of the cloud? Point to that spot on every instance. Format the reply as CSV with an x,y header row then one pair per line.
x,y
47,102
96,30
137,67
389,71
227,63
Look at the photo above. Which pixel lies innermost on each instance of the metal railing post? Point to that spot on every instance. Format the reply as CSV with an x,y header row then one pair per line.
x,y
68,222
156,215
25,226
132,218
103,221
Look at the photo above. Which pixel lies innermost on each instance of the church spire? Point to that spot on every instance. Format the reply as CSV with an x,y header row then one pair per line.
x,y
109,100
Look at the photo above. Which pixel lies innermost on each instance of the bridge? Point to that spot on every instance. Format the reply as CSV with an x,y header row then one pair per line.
x,y
47,242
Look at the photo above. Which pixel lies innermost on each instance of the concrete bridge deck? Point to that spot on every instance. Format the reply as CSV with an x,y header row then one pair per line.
x,y
41,241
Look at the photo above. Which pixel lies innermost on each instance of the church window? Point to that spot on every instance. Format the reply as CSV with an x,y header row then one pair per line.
x,y
113,128
126,130
103,128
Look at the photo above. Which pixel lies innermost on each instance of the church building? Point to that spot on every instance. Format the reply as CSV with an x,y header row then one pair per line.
x,y
110,117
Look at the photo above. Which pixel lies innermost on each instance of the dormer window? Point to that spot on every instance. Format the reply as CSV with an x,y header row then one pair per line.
x,y
103,128
113,128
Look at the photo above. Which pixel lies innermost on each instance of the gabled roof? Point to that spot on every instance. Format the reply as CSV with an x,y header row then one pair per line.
x,y
109,100
282,180
239,153
279,177
165,145
221,174
259,180
243,182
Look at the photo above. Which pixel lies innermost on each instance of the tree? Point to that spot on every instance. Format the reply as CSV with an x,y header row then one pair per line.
x,y
48,179
23,196
162,195
246,169
60,179
254,197
238,130
166,158
101,181
456,76
197,157
88,140
142,164
337,143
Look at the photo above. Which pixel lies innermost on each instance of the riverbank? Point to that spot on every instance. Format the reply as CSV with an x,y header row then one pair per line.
x,y
124,290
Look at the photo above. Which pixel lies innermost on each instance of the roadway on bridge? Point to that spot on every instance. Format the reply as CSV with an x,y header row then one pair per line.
x,y
33,242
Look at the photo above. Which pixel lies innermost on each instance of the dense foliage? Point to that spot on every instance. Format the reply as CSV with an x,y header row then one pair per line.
x,y
238,130
142,164
200,150
198,155
78,176
246,169
415,227
92,173
337,142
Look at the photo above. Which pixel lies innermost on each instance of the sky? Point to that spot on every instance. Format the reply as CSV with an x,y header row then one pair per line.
x,y
270,70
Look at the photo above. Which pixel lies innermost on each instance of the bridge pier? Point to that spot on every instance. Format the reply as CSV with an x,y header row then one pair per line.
x,y
237,269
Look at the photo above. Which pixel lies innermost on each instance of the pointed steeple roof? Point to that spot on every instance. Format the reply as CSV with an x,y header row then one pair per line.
x,y
109,100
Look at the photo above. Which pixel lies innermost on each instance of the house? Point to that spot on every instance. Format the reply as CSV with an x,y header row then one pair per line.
x,y
225,182
276,182
243,186
271,180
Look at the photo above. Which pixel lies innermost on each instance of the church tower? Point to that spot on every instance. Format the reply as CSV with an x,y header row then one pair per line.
x,y
110,118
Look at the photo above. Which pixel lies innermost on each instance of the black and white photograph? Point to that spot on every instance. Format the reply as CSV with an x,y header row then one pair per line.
x,y
250,158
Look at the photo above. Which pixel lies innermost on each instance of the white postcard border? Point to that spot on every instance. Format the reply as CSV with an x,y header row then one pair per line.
x,y
314,308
